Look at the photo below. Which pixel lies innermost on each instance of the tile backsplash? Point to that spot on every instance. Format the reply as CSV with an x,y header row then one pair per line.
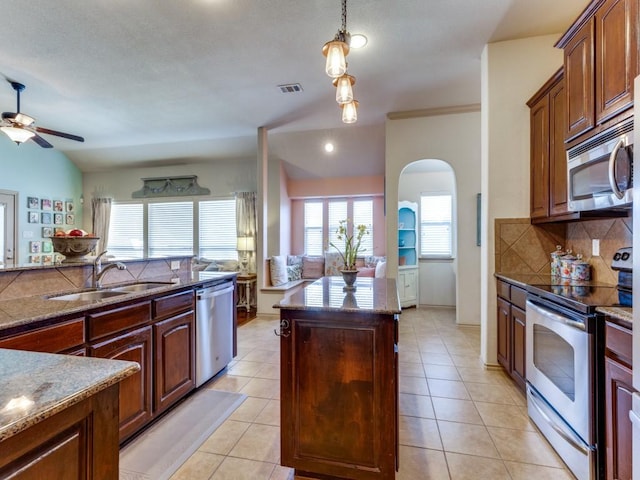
x,y
525,248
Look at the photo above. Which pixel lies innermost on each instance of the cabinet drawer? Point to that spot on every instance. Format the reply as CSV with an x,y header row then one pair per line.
x,y
173,304
118,319
504,290
519,297
618,341
52,339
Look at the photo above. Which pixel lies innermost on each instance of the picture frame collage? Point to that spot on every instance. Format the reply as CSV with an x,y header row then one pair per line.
x,y
52,215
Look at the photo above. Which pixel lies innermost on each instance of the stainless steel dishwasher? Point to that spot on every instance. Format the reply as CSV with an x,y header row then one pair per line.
x,y
214,330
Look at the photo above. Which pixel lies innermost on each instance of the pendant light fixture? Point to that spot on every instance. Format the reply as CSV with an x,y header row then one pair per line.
x,y
350,112
337,49
344,88
17,134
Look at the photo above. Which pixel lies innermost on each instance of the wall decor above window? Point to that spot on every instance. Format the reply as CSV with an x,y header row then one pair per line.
x,y
170,187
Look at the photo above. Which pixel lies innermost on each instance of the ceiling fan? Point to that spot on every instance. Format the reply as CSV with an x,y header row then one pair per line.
x,y
20,127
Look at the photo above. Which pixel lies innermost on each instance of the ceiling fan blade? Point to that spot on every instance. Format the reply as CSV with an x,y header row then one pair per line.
x,y
41,141
59,134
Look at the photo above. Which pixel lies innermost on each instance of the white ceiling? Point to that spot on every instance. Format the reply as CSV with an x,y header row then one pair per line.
x,y
153,82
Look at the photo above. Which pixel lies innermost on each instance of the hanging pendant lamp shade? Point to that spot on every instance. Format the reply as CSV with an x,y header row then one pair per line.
x,y
344,88
18,135
350,112
336,52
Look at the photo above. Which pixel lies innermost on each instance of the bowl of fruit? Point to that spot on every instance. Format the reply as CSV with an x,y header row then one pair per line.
x,y
74,244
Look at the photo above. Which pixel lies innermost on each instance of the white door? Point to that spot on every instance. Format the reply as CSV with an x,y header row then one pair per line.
x,y
7,228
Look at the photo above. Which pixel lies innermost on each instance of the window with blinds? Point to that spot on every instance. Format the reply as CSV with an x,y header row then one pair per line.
x,y
217,232
170,228
126,230
337,211
363,215
313,214
435,225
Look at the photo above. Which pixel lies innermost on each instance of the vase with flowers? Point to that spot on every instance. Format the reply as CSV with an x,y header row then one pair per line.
x,y
349,252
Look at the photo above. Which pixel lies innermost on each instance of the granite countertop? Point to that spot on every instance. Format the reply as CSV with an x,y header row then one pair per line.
x,y
623,316
372,295
22,311
32,387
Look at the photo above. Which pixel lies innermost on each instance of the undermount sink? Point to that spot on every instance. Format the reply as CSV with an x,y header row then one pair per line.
x,y
140,287
87,296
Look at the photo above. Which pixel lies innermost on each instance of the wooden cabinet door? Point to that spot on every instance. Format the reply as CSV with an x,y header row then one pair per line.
x,y
519,324
504,334
135,391
67,335
618,394
558,202
174,359
338,396
540,158
616,49
579,79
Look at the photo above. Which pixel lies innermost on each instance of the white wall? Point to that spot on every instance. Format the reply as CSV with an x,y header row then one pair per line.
x,y
454,138
437,277
511,73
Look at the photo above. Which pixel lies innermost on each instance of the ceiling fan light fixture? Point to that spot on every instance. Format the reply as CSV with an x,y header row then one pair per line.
x,y
350,112
344,88
24,120
17,134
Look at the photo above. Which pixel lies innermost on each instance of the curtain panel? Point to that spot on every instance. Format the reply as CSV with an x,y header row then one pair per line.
x,y
101,213
246,221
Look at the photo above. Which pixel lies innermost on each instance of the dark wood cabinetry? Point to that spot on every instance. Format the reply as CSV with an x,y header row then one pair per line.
x,y
548,157
339,395
174,349
78,443
67,336
618,394
511,323
600,62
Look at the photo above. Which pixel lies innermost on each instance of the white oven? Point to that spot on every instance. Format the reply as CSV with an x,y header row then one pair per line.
x,y
560,352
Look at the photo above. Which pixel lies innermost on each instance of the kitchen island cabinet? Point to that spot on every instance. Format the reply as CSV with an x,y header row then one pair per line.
x,y
59,425
339,380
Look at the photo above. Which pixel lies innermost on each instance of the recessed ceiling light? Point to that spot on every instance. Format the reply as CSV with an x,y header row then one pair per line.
x,y
358,40
328,147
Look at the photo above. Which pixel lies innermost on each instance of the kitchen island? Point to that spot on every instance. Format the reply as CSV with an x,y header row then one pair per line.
x,y
59,415
339,379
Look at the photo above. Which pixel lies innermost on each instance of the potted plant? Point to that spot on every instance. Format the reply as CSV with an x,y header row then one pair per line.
x,y
350,251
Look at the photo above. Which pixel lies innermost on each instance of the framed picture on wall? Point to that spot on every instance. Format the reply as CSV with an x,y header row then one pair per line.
x,y
47,247
45,218
34,247
47,259
70,206
71,219
47,231
33,202
35,259
34,217
58,218
58,206
45,204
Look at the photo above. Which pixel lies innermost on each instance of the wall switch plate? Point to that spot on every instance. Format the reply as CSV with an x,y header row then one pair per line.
x,y
175,264
27,234
595,247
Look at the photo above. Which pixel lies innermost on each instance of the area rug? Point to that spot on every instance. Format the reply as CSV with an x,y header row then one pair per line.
x,y
158,452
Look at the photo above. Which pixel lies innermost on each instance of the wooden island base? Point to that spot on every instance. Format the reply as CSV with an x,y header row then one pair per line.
x,y
339,384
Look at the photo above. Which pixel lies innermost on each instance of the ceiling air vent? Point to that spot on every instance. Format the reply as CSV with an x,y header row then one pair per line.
x,y
290,88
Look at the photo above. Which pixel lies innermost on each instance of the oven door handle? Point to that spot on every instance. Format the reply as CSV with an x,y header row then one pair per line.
x,y
612,170
568,436
545,312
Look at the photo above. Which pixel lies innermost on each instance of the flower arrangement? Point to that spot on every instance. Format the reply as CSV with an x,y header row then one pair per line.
x,y
351,244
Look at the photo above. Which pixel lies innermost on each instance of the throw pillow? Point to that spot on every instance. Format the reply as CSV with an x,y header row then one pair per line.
x,y
312,267
294,260
381,270
294,272
372,260
332,264
278,270
366,272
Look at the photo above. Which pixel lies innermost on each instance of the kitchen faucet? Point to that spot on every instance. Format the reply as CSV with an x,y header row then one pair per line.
x,y
99,272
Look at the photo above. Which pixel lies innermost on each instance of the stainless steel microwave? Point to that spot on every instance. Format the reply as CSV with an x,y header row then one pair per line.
x,y
600,170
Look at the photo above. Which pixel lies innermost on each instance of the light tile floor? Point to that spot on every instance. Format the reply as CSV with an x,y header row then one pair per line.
x,y
458,420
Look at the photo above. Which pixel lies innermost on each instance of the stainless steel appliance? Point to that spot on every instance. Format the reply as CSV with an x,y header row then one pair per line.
x,y
214,330
634,414
600,170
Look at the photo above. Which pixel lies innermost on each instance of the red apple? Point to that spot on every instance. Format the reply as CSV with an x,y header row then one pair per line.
x,y
76,233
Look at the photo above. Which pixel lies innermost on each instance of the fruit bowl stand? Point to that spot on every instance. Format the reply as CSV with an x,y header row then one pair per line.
x,y
74,248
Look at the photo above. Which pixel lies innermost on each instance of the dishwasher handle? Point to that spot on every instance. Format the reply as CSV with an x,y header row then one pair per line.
x,y
214,291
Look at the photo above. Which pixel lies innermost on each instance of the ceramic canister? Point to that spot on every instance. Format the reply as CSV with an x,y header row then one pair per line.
x,y
565,265
555,261
580,270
